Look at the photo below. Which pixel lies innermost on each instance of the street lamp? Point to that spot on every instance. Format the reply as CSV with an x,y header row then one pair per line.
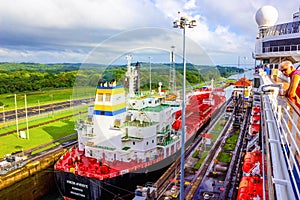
x,y
150,74
182,23
3,114
199,75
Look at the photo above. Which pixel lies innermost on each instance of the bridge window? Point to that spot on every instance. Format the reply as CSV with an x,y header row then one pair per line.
x,y
100,97
107,97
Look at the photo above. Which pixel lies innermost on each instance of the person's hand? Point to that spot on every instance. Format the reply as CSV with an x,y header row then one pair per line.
x,y
282,92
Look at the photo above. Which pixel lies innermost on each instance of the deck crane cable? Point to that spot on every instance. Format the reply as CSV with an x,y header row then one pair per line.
x,y
118,187
107,190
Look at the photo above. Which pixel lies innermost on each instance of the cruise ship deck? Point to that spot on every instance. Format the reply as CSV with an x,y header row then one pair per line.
x,y
280,127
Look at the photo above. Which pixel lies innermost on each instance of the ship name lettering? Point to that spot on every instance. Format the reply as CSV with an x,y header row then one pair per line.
x,y
124,171
77,194
82,185
71,182
78,189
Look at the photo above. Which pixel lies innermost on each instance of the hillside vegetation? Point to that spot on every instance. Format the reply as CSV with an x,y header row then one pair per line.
x,y
34,77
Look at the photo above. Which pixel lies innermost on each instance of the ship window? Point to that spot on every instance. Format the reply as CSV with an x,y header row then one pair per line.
x,y
100,97
152,141
277,30
117,123
102,112
107,97
289,28
147,143
133,143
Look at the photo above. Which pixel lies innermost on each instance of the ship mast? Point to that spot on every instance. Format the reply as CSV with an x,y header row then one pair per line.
x,y
212,90
172,72
131,74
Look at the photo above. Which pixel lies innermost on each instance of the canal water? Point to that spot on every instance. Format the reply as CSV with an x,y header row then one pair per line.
x,y
247,74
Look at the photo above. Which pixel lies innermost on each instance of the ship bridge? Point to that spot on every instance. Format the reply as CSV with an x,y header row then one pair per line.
x,y
275,43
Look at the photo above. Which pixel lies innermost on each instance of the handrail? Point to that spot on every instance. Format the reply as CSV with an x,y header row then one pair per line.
x,y
294,107
281,138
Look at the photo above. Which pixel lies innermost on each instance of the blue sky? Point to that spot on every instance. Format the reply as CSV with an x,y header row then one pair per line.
x,y
51,31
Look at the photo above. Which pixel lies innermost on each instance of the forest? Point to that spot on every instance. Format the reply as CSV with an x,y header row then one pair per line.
x,y
22,77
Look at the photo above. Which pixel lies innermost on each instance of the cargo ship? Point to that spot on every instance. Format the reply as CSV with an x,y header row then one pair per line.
x,y
128,139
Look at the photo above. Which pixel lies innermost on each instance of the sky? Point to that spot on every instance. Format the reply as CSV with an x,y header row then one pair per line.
x,y
104,31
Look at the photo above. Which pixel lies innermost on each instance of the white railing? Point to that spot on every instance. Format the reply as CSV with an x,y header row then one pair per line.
x,y
281,121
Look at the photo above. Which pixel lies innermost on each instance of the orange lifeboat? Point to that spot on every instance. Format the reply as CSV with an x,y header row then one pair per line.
x,y
254,129
256,110
251,161
250,188
178,114
255,119
176,125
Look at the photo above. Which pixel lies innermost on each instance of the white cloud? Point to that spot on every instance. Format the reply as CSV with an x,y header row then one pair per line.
x,y
190,5
42,30
11,55
117,14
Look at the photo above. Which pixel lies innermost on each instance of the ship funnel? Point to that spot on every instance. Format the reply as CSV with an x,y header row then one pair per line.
x,y
101,82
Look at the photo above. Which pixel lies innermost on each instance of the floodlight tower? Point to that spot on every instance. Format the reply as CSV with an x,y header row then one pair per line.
x,y
182,23
172,71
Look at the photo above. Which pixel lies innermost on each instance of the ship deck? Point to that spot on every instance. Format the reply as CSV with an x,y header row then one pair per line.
x,y
281,130
280,118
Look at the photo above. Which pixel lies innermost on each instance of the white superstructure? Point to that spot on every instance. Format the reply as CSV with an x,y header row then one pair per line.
x,y
121,128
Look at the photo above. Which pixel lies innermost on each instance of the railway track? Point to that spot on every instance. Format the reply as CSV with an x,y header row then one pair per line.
x,y
163,184
65,141
41,124
218,184
10,115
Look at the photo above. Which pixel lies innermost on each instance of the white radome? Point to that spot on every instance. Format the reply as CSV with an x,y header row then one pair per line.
x,y
266,16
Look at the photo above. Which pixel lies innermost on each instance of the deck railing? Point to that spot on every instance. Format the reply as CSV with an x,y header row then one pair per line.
x,y
281,135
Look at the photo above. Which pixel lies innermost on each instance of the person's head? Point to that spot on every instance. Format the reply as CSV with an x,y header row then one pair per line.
x,y
286,67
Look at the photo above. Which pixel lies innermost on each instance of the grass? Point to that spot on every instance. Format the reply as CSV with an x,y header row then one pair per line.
x,y
224,157
43,134
195,154
45,97
37,136
217,129
229,147
34,120
200,161
50,146
232,139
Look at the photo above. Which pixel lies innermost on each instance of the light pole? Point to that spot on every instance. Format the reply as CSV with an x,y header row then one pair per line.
x,y
199,75
3,114
150,73
245,58
182,23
